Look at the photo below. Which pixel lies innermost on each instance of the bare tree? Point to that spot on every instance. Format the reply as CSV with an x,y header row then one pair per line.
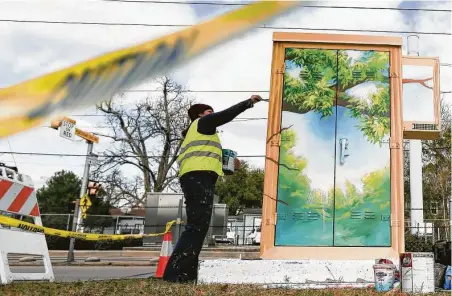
x,y
147,137
120,190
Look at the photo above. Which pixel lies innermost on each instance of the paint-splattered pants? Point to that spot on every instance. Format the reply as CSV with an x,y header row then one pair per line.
x,y
198,188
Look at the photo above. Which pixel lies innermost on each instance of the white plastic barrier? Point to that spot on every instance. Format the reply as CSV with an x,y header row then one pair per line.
x,y
18,196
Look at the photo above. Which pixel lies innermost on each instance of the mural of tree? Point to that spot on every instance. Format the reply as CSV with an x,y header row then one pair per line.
x,y
319,81
293,182
294,188
326,80
372,205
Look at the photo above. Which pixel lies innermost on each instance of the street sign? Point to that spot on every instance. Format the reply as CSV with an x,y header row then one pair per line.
x,y
87,136
67,129
85,203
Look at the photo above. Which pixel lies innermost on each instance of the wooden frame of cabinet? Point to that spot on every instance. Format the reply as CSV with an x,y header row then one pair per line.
x,y
281,41
433,127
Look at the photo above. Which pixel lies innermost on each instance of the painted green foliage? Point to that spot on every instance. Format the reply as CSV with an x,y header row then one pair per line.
x,y
324,83
315,89
294,186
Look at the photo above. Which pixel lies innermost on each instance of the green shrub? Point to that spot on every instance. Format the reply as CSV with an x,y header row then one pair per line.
x,y
61,243
414,243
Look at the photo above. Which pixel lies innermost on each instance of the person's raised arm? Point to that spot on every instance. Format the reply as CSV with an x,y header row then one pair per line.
x,y
208,123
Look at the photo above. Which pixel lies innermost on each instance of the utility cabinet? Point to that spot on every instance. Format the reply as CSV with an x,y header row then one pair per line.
x,y
334,148
334,158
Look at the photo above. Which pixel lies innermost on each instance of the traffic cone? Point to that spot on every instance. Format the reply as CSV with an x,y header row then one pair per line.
x,y
165,253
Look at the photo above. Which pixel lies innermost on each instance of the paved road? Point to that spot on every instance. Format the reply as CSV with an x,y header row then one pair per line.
x,y
107,259
76,273
82,258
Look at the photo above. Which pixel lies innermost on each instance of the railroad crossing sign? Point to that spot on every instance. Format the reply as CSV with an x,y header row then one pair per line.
x,y
85,203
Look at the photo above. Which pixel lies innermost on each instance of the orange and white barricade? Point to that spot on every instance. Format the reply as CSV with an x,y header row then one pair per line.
x,y
18,196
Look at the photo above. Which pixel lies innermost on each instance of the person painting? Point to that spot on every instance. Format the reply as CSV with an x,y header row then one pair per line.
x,y
200,162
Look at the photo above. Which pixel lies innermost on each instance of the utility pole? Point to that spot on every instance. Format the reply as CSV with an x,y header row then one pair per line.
x,y
69,131
450,217
77,221
416,198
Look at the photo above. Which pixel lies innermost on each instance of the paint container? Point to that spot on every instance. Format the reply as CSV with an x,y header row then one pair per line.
x,y
229,157
447,279
396,271
417,272
384,277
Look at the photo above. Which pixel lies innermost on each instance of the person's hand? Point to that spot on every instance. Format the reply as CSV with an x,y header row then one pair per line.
x,y
256,98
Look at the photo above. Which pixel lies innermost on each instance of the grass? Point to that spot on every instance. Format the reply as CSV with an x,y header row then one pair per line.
x,y
158,288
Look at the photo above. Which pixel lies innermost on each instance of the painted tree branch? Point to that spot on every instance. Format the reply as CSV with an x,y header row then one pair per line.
x,y
343,101
277,133
277,200
282,164
419,81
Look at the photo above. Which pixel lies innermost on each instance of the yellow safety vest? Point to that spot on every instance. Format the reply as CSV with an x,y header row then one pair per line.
x,y
200,152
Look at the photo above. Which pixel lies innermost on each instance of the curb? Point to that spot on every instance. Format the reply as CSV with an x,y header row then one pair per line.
x,y
150,262
106,263
154,254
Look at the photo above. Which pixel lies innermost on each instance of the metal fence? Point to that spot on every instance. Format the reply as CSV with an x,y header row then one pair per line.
x,y
101,224
430,231
238,232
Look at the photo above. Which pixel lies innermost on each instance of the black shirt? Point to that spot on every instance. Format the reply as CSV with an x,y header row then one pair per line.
x,y
208,124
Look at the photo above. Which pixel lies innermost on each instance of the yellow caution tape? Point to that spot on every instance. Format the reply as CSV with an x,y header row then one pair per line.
x,y
30,103
83,236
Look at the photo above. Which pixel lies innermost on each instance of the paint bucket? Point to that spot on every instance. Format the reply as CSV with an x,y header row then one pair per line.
x,y
447,279
418,272
384,277
229,157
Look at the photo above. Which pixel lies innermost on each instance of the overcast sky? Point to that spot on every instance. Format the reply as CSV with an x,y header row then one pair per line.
x,y
31,49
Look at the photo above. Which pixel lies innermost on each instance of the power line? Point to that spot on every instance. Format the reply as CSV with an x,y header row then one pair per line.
x,y
104,156
133,156
197,91
212,3
217,91
111,126
102,115
259,27
45,163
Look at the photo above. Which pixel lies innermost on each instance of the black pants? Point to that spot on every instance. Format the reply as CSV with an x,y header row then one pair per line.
x,y
198,188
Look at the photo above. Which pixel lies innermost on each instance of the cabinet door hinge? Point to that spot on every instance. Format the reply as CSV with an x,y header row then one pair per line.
x,y
272,220
393,144
281,70
395,223
394,75
274,143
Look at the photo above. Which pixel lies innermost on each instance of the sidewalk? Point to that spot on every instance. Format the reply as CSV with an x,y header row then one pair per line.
x,y
140,257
